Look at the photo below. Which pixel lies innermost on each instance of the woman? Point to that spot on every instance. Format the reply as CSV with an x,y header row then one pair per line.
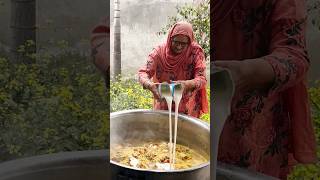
x,y
262,44
100,49
180,59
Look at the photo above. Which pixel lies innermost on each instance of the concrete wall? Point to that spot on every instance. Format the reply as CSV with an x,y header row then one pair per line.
x,y
70,20
140,21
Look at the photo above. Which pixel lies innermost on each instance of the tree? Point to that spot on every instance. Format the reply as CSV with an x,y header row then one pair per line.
x,y
198,16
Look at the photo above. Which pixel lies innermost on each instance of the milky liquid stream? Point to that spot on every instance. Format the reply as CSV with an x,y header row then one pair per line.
x,y
172,92
169,102
177,97
165,90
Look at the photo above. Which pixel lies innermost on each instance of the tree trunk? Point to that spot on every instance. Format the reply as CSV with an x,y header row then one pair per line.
x,y
23,26
117,40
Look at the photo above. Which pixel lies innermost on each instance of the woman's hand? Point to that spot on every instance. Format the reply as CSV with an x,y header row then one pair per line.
x,y
153,88
249,74
188,85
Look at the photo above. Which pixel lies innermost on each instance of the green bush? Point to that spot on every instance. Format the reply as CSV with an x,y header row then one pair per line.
x,y
127,94
58,103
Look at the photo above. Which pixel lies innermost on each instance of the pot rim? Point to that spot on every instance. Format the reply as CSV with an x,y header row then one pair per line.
x,y
197,121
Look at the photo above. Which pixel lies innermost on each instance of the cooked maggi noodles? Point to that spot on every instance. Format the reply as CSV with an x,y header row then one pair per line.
x,y
155,156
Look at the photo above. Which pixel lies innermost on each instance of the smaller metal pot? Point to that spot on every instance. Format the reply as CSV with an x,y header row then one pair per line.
x,y
75,165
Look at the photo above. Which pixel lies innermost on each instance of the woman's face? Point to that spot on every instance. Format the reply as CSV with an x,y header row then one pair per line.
x,y
179,43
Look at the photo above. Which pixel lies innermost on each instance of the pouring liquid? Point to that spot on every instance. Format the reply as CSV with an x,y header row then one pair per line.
x,y
169,102
177,95
165,90
172,92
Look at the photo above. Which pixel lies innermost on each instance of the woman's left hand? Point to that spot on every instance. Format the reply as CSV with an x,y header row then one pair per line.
x,y
188,85
249,74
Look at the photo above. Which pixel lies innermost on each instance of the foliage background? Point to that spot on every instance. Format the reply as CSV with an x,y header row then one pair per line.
x,y
57,103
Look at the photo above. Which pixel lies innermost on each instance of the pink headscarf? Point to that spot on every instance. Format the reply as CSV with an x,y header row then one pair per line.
x,y
169,61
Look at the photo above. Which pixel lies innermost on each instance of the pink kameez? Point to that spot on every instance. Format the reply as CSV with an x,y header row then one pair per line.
x,y
266,132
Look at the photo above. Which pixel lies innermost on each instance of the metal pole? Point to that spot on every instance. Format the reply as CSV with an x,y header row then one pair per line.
x,y
117,40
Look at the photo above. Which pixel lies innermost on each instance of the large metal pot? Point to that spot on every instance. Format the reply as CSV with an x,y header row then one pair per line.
x,y
89,165
144,125
76,165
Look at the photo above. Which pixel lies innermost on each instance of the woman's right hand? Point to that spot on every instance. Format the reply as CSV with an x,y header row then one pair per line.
x,y
154,89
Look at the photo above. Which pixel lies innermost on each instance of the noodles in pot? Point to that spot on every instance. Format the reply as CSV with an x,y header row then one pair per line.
x,y
155,155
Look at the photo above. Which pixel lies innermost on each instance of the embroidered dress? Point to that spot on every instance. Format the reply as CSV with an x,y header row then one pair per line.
x,y
266,132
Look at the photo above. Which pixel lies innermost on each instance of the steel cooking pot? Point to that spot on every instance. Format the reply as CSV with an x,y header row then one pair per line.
x,y
145,125
90,165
